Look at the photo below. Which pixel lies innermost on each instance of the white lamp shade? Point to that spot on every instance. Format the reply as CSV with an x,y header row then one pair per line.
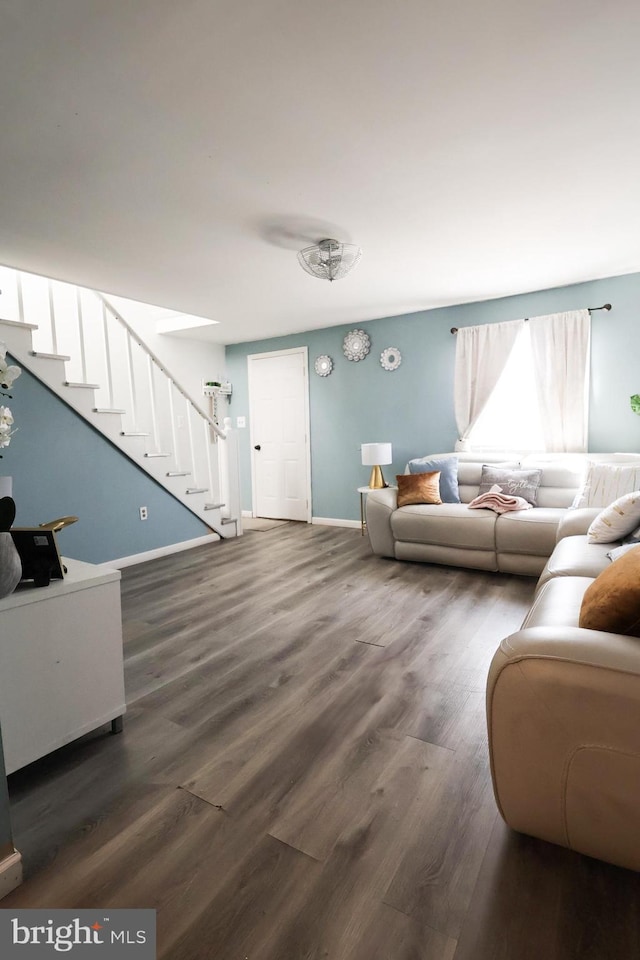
x,y
376,454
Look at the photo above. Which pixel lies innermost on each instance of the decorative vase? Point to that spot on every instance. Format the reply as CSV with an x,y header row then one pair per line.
x,y
10,565
6,485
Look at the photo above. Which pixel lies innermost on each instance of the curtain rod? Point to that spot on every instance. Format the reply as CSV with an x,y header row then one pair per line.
x,y
605,306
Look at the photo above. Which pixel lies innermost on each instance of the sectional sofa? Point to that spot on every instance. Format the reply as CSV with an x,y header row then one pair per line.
x,y
563,713
563,701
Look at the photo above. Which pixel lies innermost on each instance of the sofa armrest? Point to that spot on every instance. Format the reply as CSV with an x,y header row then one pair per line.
x,y
563,712
379,507
575,523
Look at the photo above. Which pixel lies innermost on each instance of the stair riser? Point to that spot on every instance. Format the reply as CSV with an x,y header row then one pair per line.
x,y
18,335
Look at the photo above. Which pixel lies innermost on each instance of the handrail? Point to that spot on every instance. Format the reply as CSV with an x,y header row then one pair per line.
x,y
214,426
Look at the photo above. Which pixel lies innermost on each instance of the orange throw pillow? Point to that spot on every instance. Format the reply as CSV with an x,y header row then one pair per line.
x,y
418,488
612,601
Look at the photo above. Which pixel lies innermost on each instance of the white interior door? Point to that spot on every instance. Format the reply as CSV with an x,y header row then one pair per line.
x,y
279,412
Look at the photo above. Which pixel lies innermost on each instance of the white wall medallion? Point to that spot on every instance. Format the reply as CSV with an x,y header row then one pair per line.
x,y
356,345
323,365
391,358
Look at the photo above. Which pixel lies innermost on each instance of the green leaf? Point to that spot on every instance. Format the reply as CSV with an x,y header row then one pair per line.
x,y
635,403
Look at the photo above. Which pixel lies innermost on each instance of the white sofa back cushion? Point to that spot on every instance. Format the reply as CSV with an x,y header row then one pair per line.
x,y
560,478
561,473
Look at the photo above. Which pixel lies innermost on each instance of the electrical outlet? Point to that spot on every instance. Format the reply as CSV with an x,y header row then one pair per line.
x,y
143,513
241,422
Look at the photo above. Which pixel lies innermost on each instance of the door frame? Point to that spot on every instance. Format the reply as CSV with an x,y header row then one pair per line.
x,y
304,351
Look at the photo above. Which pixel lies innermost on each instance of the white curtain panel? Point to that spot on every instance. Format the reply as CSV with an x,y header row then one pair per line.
x,y
560,345
481,355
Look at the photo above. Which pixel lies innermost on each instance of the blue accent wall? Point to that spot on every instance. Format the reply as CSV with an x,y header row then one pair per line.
x,y
60,465
412,407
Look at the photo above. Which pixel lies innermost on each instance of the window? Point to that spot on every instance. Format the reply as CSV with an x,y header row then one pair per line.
x,y
511,419
522,385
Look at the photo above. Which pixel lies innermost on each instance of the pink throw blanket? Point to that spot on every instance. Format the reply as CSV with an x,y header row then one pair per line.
x,y
501,502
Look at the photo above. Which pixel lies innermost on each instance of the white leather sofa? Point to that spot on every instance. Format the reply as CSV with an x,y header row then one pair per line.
x,y
450,533
563,702
563,714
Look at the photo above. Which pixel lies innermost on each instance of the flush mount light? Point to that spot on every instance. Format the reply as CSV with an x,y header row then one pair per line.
x,y
329,259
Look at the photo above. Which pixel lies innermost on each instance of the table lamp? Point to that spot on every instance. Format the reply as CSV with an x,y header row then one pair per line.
x,y
373,455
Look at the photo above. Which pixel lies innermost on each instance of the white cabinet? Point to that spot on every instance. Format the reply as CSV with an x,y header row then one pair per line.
x,y
61,662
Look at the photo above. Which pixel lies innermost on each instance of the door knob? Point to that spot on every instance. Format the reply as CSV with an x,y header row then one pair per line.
x,y
257,447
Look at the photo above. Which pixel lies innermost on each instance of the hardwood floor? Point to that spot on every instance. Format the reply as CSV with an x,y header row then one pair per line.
x,y
303,771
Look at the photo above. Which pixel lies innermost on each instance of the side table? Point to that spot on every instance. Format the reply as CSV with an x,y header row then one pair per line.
x,y
363,491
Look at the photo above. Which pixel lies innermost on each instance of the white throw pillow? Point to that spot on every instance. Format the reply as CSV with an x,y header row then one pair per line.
x,y
617,520
606,482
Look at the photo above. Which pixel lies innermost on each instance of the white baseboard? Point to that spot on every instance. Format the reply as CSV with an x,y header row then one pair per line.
x,y
10,873
160,552
322,521
331,522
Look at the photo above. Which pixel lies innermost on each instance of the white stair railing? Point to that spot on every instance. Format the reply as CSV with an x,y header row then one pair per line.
x,y
132,397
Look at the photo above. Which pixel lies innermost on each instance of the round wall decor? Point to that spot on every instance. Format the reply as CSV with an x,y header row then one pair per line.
x,y
391,358
323,365
356,345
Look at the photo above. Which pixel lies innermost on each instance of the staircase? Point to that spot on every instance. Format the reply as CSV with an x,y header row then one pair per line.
x,y
75,342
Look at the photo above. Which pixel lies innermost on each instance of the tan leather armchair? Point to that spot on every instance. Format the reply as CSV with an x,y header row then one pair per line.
x,y
563,712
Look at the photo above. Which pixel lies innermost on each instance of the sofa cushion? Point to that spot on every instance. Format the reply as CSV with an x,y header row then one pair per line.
x,y
561,477
576,557
617,520
558,603
530,532
418,488
612,602
576,522
448,467
448,525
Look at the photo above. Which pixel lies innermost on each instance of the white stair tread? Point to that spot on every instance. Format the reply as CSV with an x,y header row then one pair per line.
x,y
48,356
213,506
86,386
197,490
107,410
133,433
16,323
179,473
152,456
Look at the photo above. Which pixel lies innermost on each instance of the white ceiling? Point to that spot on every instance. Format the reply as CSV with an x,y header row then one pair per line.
x,y
181,152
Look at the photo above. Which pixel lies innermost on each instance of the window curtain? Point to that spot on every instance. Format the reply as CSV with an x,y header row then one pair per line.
x,y
481,355
560,345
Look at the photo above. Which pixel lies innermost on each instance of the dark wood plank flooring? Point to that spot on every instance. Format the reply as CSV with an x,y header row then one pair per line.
x,y
303,771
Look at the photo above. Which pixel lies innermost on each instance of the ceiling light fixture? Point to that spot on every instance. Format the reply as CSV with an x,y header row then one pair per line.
x,y
329,259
